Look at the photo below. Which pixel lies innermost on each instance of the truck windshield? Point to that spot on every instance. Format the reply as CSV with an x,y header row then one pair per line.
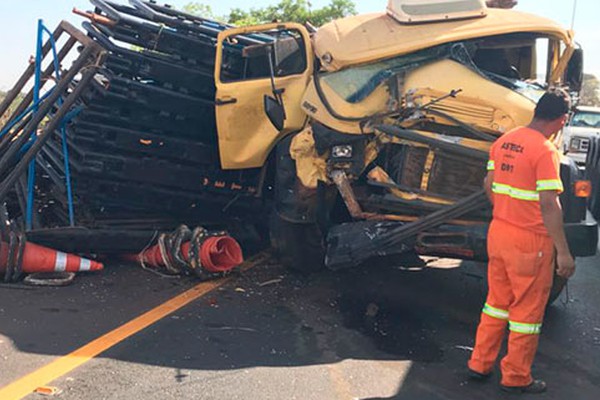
x,y
356,83
586,119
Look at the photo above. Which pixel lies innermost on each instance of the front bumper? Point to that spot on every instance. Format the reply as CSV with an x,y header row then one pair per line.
x,y
579,158
470,243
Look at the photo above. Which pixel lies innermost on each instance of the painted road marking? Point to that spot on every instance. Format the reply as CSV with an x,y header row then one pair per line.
x,y
48,373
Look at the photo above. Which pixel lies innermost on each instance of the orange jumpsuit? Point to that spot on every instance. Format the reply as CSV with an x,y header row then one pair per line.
x,y
521,254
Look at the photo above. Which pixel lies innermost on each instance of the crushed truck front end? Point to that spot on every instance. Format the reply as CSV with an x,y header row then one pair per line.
x,y
402,117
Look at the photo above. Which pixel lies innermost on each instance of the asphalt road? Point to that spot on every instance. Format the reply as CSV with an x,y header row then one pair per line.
x,y
378,332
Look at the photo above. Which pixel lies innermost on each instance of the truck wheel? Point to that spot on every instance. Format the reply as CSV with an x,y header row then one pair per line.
x,y
592,173
558,285
299,247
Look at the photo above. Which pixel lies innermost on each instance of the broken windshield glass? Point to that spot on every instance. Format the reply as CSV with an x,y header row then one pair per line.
x,y
357,83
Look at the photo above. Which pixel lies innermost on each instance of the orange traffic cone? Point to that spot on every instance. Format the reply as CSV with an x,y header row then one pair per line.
x,y
220,253
42,259
217,254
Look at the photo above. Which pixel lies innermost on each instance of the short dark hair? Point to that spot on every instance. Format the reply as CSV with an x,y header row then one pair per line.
x,y
553,104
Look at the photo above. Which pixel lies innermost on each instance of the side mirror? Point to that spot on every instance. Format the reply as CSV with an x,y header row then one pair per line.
x,y
574,75
275,112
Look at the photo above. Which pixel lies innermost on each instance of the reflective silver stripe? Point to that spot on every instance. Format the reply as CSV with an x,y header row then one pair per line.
x,y
515,193
549,184
491,166
60,265
521,327
85,264
495,312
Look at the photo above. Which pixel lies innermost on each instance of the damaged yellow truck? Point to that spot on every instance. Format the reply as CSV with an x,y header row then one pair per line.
x,y
383,119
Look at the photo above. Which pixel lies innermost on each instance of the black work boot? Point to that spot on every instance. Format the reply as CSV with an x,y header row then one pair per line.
x,y
478,376
537,386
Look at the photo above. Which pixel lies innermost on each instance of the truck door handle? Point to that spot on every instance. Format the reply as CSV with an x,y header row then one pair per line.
x,y
225,100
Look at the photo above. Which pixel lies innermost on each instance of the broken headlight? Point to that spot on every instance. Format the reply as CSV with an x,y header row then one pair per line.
x,y
579,145
341,151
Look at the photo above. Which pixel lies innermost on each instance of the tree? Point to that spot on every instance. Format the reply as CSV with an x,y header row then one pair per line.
x,y
590,92
11,108
335,9
3,118
284,11
202,10
501,3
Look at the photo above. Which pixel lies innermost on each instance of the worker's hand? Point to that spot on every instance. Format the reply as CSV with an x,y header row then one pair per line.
x,y
566,265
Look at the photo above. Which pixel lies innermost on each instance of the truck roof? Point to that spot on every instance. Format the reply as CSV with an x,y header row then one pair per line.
x,y
590,109
370,37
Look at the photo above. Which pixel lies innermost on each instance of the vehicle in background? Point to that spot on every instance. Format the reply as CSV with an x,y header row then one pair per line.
x,y
583,125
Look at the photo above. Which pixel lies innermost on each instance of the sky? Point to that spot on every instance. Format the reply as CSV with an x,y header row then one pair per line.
x,y
18,21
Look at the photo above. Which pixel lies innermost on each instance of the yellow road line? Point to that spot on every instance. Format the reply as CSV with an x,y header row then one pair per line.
x,y
27,384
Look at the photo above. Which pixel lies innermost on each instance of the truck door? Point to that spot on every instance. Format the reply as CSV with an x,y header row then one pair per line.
x,y
249,62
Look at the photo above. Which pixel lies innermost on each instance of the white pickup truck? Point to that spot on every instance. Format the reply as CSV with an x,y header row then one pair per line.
x,y
583,125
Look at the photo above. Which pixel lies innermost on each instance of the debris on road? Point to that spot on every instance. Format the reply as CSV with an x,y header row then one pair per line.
x,y
372,310
233,328
49,279
199,252
270,282
466,348
48,390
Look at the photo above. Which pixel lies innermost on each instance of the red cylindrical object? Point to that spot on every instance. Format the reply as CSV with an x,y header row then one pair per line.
x,y
217,254
152,257
220,254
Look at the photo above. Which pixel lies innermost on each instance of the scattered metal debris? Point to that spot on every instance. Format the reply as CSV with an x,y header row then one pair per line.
x,y
233,328
466,348
49,279
48,390
271,282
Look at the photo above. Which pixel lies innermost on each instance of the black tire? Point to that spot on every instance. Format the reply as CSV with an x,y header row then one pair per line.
x,y
592,173
299,247
558,285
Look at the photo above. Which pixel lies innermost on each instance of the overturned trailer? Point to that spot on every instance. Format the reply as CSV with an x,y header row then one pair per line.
x,y
367,137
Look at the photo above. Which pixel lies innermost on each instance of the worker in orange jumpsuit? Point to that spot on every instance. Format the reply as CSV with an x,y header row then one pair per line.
x,y
525,236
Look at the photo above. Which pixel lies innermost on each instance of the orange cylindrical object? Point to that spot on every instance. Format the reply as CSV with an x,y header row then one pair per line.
x,y
220,253
217,254
38,258
153,257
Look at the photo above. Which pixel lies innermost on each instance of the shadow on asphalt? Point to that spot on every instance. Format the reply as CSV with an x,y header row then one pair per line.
x,y
269,317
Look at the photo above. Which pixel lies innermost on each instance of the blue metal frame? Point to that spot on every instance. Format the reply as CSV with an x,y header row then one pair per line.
x,y
34,108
